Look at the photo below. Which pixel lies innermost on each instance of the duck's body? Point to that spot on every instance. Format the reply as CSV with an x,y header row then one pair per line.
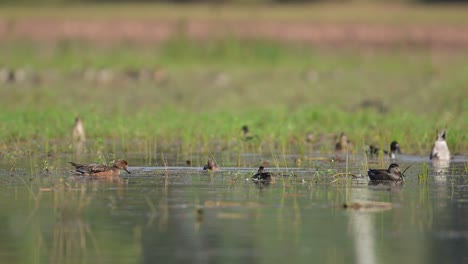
x,y
393,173
440,151
78,133
343,145
261,175
101,169
211,165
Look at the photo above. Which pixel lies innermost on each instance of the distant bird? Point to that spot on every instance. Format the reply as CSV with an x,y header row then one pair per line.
x,y
78,132
101,169
211,165
343,144
245,129
261,175
440,150
393,173
246,133
394,148
310,137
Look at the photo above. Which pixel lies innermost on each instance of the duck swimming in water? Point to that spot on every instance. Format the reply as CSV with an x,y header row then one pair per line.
x,y
393,173
101,169
261,175
440,150
211,165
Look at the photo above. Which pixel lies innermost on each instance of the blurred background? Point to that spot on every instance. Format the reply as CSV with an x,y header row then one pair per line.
x,y
378,69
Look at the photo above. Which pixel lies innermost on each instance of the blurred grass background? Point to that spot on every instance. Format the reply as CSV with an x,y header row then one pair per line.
x,y
200,92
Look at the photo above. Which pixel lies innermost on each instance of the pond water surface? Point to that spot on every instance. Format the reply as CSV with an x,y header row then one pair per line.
x,y
182,214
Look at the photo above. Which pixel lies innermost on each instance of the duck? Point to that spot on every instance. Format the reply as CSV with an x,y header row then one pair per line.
x,y
78,132
343,144
101,169
211,165
393,173
394,149
261,175
310,137
440,150
247,136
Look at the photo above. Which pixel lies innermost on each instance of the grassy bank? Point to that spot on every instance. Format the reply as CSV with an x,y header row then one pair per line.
x,y
209,90
278,129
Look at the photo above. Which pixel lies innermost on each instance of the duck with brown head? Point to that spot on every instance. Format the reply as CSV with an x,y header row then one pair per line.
x,y
101,169
211,165
343,144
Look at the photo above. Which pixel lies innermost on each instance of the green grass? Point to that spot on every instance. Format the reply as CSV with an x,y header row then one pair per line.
x,y
213,88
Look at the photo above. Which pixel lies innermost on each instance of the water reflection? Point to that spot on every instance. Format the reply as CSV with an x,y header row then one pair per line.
x,y
181,234
362,226
393,186
440,167
363,218
176,215
70,236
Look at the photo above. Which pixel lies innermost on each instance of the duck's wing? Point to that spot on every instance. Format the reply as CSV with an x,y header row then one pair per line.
x,y
377,174
76,165
266,175
258,176
255,177
89,168
81,168
263,176
94,168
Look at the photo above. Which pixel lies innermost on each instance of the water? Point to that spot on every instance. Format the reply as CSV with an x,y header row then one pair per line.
x,y
182,214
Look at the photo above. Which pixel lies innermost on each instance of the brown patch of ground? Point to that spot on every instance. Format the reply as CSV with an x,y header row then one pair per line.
x,y
314,33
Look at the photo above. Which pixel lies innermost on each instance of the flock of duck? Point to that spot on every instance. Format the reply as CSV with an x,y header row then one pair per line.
x,y
440,152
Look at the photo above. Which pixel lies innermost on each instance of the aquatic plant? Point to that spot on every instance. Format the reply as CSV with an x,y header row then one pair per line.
x,y
424,175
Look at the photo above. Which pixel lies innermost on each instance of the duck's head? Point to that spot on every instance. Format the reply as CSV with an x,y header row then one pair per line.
x,y
122,164
394,169
395,147
261,169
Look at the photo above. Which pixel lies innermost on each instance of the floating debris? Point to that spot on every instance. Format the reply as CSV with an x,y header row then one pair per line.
x,y
368,206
